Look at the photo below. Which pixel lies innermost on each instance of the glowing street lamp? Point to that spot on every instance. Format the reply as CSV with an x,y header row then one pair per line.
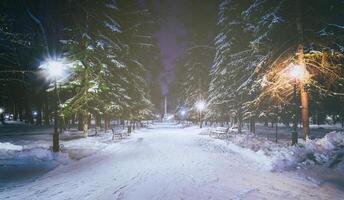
x,y
200,106
182,114
299,75
54,70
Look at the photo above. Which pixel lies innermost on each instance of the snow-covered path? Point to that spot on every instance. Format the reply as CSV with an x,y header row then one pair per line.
x,y
167,162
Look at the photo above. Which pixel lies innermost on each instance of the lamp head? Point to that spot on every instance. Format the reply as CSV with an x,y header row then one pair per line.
x,y
200,105
53,69
298,72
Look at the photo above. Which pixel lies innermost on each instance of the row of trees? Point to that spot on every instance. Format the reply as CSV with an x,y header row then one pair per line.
x,y
108,79
257,43
107,46
193,67
14,82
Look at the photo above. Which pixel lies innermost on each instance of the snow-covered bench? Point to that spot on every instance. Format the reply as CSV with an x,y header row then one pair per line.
x,y
118,134
220,132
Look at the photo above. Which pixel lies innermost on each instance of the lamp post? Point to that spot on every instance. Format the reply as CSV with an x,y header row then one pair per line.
x,y
200,106
2,119
53,69
299,74
294,134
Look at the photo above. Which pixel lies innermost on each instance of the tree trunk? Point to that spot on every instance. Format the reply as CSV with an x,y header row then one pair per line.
x,y
28,110
106,121
98,120
14,111
73,120
46,111
129,128
39,115
252,126
239,123
85,121
80,121
89,119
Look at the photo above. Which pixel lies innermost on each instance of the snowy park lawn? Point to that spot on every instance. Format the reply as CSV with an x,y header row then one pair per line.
x,y
327,151
166,161
26,155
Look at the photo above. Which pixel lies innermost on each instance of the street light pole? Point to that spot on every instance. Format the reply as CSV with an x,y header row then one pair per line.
x,y
200,119
54,70
304,111
56,145
294,134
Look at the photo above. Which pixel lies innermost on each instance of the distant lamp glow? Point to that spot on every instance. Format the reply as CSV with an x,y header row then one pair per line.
x,y
183,112
1,110
200,105
35,113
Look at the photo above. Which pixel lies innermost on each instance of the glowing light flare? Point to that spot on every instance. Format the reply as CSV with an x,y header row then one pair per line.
x,y
200,105
2,110
183,112
298,72
53,69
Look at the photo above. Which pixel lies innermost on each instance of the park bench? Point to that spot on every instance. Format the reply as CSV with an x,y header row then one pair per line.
x,y
118,134
220,132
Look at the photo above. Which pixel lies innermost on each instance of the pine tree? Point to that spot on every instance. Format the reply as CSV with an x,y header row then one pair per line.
x,y
108,80
233,65
295,32
194,65
256,42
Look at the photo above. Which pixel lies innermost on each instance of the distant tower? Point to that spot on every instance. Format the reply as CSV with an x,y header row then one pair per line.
x,y
165,107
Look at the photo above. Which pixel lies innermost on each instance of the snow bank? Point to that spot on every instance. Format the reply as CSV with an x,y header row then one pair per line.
x,y
327,151
6,146
33,156
21,164
25,158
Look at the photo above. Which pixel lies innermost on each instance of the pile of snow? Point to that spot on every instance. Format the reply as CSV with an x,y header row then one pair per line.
x,y
22,164
21,156
327,151
6,146
33,156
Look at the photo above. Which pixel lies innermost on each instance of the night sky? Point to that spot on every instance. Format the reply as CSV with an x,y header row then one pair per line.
x,y
170,39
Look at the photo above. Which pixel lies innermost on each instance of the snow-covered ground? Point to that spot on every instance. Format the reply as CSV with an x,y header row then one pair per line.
x,y
327,151
162,162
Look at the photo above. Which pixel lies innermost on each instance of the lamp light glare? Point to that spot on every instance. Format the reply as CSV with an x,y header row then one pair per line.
x,y
298,72
200,105
53,69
